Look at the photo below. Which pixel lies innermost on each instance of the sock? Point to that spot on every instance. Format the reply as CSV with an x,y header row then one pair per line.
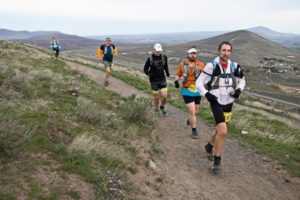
x,y
209,145
217,160
162,107
193,129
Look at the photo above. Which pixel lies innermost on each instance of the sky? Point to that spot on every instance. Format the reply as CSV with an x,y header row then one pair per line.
x,y
109,17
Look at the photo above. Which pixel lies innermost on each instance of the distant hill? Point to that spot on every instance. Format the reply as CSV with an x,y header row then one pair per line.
x,y
6,34
139,40
67,41
286,39
248,47
42,38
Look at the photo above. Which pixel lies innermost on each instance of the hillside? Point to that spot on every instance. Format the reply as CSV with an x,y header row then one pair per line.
x,y
64,136
250,48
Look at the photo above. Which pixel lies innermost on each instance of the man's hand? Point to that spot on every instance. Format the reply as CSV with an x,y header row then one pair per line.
x,y
236,93
210,97
176,84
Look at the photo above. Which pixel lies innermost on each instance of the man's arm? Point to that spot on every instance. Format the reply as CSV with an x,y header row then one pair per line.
x,y
99,53
115,50
147,66
178,75
240,78
204,78
166,66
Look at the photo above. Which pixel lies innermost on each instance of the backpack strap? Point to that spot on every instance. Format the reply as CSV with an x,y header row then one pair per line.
x,y
215,77
232,67
186,69
238,72
232,70
162,58
217,74
151,59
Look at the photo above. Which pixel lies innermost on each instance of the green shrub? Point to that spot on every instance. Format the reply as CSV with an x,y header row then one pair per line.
x,y
138,110
89,112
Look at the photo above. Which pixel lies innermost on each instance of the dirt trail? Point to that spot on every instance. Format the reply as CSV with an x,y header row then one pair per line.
x,y
183,171
115,84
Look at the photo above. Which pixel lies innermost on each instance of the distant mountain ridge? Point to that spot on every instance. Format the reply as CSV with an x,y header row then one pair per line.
x,y
42,37
6,34
285,39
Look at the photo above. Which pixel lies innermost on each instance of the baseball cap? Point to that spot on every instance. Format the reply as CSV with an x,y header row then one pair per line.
x,y
157,47
192,50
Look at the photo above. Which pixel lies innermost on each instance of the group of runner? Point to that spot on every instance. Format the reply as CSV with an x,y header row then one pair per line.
x,y
221,81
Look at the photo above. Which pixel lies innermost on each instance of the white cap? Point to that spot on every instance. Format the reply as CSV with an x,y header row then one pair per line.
x,y
192,50
157,47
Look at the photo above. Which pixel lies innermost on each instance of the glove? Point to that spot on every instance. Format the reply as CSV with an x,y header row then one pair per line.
x,y
210,97
236,93
176,84
147,73
168,74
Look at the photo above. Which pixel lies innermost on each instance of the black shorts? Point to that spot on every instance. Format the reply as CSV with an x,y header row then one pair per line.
x,y
218,111
190,99
158,86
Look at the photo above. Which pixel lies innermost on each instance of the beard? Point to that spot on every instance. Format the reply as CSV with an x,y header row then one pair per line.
x,y
224,58
192,59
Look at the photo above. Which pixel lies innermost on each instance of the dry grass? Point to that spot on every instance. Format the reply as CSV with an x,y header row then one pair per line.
x,y
138,110
90,112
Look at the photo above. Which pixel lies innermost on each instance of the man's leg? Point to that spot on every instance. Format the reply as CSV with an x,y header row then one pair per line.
x,y
197,105
156,96
210,145
156,100
192,112
221,133
164,96
213,137
192,118
108,71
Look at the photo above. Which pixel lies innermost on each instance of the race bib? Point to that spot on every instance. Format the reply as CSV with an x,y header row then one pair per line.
x,y
192,88
227,116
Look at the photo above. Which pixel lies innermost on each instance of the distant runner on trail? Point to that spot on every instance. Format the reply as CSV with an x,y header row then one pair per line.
x,y
55,46
224,80
156,67
106,52
188,71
